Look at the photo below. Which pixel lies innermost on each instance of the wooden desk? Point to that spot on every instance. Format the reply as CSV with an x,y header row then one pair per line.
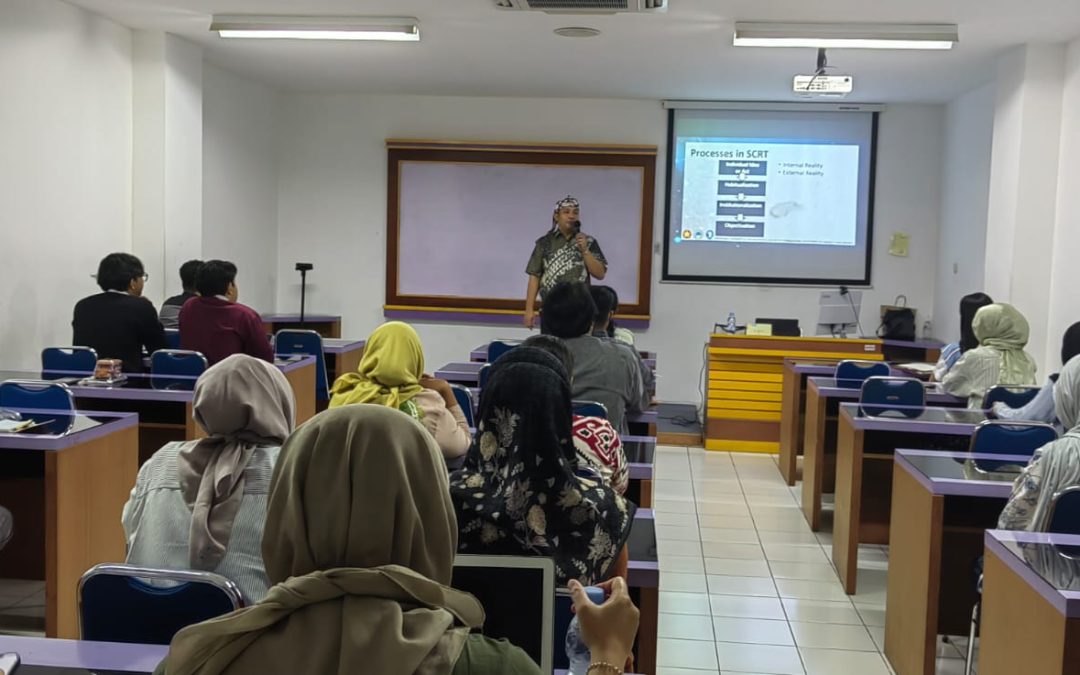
x,y
66,493
744,389
823,398
342,356
1031,604
792,410
905,351
643,580
326,325
941,507
864,475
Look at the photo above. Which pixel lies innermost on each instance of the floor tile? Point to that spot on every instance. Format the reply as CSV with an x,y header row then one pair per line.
x,y
780,537
871,616
753,631
736,522
683,582
950,667
715,549
821,612
738,606
678,547
738,568
877,634
759,658
805,571
811,590
724,535
794,553
832,636
736,505
678,533
837,662
685,627
686,653
683,563
674,602
665,519
673,506
665,670
730,585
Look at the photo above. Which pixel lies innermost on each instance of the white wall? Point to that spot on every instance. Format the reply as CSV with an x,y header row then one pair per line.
x,y
332,212
969,130
65,167
240,182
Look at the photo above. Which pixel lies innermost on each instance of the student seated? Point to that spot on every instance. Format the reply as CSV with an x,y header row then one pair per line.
x,y
603,371
360,542
1054,467
391,373
202,504
614,331
1002,332
951,353
216,324
519,493
119,323
607,302
170,309
596,442
1041,408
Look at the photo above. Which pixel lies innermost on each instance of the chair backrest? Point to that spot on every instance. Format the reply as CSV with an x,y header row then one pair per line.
x,y
899,395
1010,395
465,401
177,362
51,402
485,373
1000,437
117,605
308,343
497,348
69,359
590,409
1065,512
852,373
172,338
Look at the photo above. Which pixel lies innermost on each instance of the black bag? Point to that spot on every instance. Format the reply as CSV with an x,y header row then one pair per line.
x,y
897,322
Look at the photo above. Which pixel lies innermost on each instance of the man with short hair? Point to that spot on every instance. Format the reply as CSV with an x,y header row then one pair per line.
x,y
119,323
603,371
215,324
606,303
170,309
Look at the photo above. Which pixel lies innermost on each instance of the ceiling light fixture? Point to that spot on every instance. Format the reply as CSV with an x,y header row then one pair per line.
x,y
577,32
846,35
387,29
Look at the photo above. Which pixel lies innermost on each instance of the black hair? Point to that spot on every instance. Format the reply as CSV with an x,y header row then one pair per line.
x,y
189,272
214,277
969,305
607,301
1070,344
567,310
554,346
117,270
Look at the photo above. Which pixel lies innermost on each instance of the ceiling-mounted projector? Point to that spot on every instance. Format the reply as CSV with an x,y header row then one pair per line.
x,y
823,85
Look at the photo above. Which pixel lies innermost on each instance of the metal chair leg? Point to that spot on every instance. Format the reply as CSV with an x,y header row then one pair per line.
x,y
969,660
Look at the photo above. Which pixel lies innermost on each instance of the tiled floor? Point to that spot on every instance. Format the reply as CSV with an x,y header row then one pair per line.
x,y
747,588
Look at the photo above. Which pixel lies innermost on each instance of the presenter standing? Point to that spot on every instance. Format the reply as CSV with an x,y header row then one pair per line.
x,y
563,254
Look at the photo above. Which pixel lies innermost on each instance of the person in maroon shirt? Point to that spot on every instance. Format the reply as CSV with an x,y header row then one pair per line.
x,y
216,324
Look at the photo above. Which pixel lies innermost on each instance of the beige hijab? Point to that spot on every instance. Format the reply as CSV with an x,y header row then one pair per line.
x,y
241,402
360,539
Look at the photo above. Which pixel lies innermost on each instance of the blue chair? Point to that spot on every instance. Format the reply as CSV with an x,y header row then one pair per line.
x,y
998,437
485,373
180,362
497,348
172,338
464,399
883,395
1012,396
117,604
51,402
590,409
307,343
851,374
74,360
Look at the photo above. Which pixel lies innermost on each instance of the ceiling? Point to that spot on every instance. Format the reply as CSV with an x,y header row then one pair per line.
x,y
470,48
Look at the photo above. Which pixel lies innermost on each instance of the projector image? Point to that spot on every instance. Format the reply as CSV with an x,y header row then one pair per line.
x,y
824,85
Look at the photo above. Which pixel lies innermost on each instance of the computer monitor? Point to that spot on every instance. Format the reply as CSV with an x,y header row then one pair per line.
x,y
518,595
838,313
783,327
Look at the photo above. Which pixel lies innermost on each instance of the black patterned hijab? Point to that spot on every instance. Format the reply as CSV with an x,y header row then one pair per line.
x,y
518,494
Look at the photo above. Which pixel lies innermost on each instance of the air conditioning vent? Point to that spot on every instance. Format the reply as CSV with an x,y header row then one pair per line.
x,y
583,6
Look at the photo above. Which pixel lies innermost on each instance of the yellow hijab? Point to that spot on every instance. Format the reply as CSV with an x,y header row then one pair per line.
x,y
390,369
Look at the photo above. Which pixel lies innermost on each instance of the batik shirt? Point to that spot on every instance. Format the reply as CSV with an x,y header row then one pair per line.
x,y
556,259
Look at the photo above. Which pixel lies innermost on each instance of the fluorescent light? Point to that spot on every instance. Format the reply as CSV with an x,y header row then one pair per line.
x,y
846,35
387,29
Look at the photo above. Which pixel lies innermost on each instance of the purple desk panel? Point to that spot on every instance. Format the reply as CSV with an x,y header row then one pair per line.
x,y
94,656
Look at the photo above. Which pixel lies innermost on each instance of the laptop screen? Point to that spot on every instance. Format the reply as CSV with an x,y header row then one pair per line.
x,y
518,595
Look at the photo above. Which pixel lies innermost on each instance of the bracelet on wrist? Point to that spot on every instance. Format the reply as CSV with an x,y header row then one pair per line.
x,y
599,667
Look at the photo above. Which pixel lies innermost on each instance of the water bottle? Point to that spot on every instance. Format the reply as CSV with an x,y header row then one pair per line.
x,y
731,325
927,330
576,649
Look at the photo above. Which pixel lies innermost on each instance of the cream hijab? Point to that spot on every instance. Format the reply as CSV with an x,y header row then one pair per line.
x,y
241,402
1004,328
360,541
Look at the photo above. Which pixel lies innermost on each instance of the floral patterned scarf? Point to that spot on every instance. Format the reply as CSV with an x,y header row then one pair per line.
x,y
518,494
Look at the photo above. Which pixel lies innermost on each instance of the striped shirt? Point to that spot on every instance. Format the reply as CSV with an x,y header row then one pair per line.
x,y
157,520
949,356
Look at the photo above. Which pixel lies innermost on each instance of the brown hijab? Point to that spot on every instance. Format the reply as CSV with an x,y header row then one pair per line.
x,y
360,541
241,403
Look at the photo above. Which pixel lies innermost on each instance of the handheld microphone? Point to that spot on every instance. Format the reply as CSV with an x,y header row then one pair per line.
x,y
576,230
